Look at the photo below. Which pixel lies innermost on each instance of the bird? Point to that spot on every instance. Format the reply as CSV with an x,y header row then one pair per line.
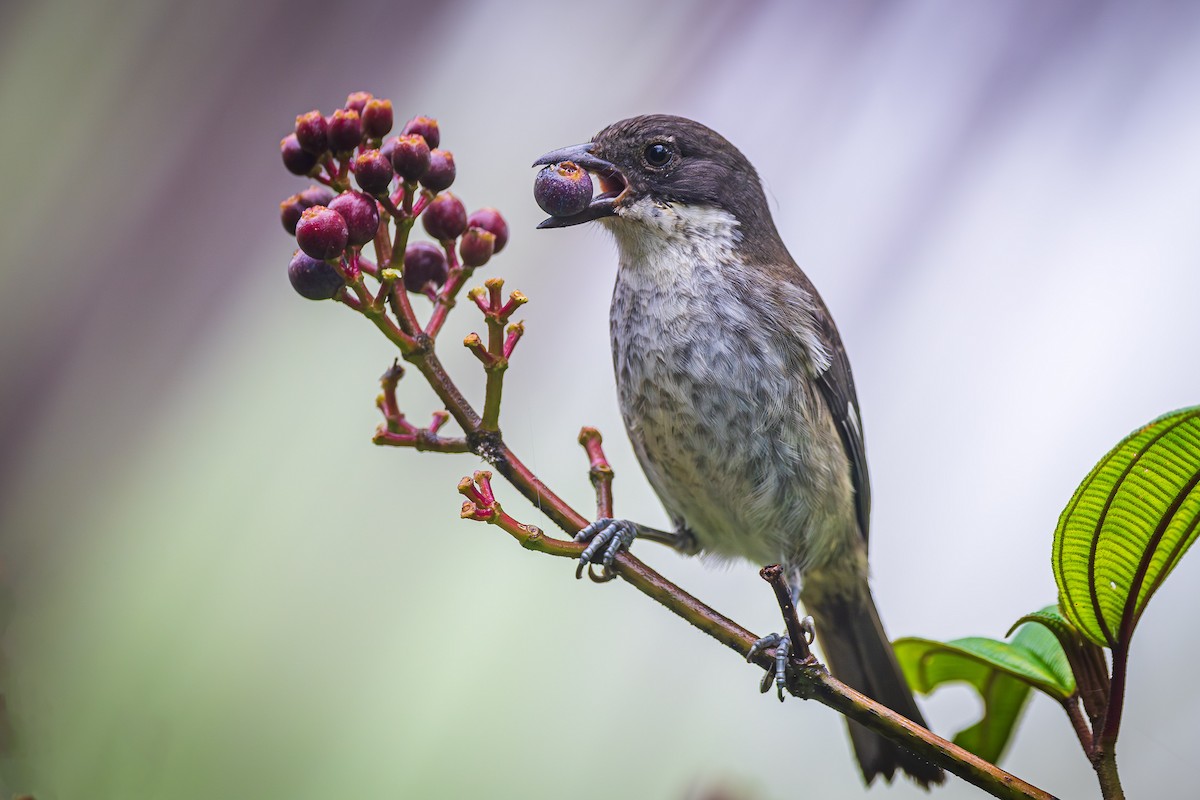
x,y
737,395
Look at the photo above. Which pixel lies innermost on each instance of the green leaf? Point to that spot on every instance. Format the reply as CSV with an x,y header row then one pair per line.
x,y
1003,673
1127,526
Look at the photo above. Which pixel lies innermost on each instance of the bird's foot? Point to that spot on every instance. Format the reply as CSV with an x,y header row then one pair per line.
x,y
783,651
605,537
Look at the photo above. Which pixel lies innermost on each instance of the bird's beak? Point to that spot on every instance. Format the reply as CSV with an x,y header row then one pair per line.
x,y
612,184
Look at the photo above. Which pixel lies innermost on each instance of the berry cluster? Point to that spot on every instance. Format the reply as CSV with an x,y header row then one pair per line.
x,y
399,179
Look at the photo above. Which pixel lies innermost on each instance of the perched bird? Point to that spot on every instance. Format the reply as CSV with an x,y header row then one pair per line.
x,y
737,394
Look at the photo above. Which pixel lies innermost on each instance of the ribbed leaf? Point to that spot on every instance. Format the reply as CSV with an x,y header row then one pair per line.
x,y
1129,523
1002,672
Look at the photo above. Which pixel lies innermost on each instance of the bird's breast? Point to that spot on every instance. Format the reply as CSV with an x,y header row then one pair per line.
x,y
716,398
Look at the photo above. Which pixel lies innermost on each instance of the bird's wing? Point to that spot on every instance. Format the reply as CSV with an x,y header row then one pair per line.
x,y
831,372
837,387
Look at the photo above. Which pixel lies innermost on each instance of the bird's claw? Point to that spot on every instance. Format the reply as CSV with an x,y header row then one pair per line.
x,y
783,651
605,537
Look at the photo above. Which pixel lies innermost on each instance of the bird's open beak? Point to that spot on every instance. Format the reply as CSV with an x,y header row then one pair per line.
x,y
612,184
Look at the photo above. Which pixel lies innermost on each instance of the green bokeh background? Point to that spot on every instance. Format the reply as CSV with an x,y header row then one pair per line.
x,y
216,587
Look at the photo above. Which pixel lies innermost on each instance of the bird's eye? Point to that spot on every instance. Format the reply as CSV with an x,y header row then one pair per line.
x,y
657,154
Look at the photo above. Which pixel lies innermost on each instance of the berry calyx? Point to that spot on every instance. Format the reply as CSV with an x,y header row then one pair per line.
x,y
425,268
426,128
490,220
440,174
410,156
361,214
563,190
345,130
373,172
357,101
312,277
445,218
312,132
476,247
322,232
376,118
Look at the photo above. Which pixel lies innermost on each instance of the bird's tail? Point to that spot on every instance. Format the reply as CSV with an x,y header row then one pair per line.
x,y
859,654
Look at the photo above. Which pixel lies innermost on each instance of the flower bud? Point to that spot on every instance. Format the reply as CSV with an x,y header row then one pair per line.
x,y
373,172
296,159
445,218
410,156
361,214
322,232
426,128
490,220
425,267
345,130
441,171
312,132
563,189
312,277
476,247
357,101
377,118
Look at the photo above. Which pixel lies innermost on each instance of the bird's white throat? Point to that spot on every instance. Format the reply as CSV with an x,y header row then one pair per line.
x,y
662,242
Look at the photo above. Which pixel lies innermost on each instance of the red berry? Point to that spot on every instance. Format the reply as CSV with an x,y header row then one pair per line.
x,y
441,171
312,132
563,189
410,156
424,267
313,278
377,118
361,214
373,172
345,130
445,218
296,159
426,128
291,209
322,232
477,246
357,101
490,220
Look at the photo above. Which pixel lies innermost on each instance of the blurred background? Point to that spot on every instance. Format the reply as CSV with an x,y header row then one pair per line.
x,y
214,585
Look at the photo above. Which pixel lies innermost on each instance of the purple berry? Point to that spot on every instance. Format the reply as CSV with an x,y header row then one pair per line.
x,y
312,132
445,218
376,118
410,156
477,246
291,209
424,267
563,189
313,278
361,214
373,172
490,220
426,128
441,171
322,232
297,160
357,101
345,130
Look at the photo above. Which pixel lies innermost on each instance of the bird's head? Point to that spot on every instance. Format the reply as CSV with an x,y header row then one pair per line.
x,y
653,164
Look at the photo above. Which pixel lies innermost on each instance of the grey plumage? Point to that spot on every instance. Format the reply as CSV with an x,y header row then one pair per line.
x,y
737,393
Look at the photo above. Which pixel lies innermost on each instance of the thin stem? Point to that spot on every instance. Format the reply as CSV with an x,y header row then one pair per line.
x,y
599,470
